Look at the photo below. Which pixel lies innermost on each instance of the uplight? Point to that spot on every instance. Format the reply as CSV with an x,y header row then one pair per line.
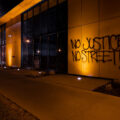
x,y
18,69
40,72
79,78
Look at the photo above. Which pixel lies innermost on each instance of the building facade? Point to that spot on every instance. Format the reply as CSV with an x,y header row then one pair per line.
x,y
79,37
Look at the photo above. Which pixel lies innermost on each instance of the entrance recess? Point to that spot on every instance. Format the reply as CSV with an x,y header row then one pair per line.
x,y
51,52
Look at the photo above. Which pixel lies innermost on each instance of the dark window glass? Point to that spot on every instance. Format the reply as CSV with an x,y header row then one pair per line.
x,y
44,42
44,52
2,45
52,19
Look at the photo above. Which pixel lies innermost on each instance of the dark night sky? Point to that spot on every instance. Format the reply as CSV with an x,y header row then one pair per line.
x,y
6,5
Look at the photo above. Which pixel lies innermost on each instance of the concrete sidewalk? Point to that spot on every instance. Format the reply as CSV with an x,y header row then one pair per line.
x,y
63,79
51,99
11,111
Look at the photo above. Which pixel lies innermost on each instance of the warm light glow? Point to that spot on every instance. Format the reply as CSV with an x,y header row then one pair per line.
x,y
59,50
27,41
10,57
13,45
38,51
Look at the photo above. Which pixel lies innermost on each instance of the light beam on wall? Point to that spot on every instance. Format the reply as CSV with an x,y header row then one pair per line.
x,y
10,57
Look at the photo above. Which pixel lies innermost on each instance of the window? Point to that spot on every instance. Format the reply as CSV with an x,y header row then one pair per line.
x,y
47,33
2,45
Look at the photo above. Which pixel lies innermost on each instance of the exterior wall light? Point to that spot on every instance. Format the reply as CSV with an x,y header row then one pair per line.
x,y
38,51
27,41
59,50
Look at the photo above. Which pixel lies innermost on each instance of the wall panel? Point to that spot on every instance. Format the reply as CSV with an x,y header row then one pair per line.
x,y
109,9
96,23
74,13
13,45
89,11
74,36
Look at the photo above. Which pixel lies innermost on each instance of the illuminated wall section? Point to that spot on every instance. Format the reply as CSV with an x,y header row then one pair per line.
x,y
13,43
94,38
